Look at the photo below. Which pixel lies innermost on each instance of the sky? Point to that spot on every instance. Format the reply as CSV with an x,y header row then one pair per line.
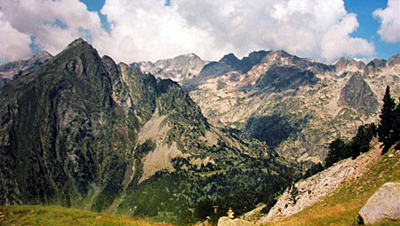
x,y
142,30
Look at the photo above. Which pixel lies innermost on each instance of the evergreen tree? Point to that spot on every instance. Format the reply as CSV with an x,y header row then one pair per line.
x,y
361,142
338,150
396,126
386,124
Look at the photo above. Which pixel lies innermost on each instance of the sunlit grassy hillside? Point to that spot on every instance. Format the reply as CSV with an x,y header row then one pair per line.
x,y
60,216
342,207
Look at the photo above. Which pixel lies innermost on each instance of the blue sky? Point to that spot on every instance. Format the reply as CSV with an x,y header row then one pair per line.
x,y
369,26
137,30
363,8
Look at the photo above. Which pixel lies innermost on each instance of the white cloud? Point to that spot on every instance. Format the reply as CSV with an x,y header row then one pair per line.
x,y
148,30
390,21
337,42
13,44
41,18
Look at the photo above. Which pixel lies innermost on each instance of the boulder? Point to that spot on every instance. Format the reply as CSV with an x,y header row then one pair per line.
x,y
383,204
226,221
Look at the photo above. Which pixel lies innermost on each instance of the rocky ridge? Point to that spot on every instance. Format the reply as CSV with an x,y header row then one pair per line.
x,y
10,70
179,68
307,192
294,104
107,137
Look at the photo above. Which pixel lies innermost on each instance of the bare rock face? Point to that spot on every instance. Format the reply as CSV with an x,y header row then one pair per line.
x,y
384,204
178,69
358,95
11,70
307,192
344,64
226,221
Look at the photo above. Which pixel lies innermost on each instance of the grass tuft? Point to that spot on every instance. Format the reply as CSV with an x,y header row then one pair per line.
x,y
61,216
342,207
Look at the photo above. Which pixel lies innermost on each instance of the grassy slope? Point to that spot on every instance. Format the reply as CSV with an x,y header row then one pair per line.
x,y
342,207
60,216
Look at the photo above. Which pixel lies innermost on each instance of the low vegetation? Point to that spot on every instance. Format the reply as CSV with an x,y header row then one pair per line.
x,y
61,216
387,131
342,207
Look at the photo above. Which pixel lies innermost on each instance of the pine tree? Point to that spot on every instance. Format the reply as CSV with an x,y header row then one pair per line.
x,y
396,126
386,124
338,150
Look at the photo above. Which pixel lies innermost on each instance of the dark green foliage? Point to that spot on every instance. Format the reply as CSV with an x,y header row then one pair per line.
x,y
294,192
361,142
314,169
84,115
386,125
340,149
113,187
396,126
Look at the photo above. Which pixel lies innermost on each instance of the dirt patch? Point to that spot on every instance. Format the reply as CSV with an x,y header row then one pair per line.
x,y
159,159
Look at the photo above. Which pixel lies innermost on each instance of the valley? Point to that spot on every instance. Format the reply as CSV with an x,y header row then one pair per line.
x,y
185,144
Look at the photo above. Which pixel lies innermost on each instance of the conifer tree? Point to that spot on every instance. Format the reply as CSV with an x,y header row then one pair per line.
x,y
396,126
338,150
385,128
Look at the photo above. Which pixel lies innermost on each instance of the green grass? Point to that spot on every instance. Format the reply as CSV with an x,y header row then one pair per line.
x,y
343,206
61,216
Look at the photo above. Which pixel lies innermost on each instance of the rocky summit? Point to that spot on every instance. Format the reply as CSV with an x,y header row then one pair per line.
x,y
80,130
296,105
11,70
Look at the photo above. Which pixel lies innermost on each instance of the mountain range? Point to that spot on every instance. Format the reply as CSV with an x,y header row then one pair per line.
x,y
296,105
180,138
80,130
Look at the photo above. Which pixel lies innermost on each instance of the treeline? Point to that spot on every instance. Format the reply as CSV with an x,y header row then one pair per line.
x,y
388,132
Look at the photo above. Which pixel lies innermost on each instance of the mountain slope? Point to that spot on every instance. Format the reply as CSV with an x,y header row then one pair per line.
x,y
10,70
294,104
61,216
341,207
179,68
83,131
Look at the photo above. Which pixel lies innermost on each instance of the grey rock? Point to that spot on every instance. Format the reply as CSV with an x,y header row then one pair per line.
x,y
375,66
358,95
178,69
226,221
383,204
14,69
306,193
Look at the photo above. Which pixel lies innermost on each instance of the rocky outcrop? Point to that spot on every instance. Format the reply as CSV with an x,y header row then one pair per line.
x,y
307,192
10,70
345,65
107,137
358,95
383,204
178,69
318,102
226,221
375,67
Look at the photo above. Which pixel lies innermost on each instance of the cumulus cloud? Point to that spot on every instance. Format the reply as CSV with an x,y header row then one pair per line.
x,y
337,42
212,28
390,21
53,23
150,30
14,45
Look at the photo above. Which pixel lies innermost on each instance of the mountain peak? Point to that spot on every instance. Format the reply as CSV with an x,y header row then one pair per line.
x,y
78,42
230,59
